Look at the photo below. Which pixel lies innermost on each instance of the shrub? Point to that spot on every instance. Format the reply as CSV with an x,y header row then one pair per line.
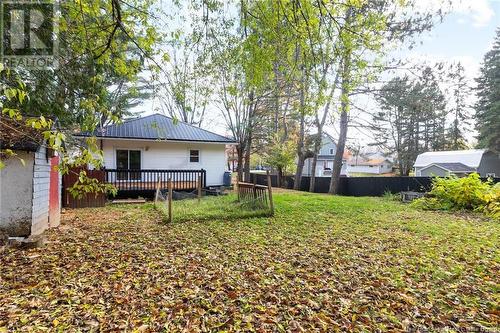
x,y
388,195
468,193
491,202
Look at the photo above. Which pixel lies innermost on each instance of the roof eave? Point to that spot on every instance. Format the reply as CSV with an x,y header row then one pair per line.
x,y
153,139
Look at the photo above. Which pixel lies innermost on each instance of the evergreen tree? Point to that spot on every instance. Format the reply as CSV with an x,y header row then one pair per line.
x,y
412,118
461,115
488,105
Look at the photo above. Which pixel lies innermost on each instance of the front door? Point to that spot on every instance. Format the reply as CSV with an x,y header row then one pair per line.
x,y
129,160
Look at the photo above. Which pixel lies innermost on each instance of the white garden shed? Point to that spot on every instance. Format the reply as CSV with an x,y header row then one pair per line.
x,y
29,182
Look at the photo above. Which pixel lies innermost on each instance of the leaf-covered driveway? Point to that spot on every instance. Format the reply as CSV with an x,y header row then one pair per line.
x,y
322,264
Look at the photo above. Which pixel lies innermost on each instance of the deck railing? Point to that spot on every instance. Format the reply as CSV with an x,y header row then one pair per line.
x,y
148,179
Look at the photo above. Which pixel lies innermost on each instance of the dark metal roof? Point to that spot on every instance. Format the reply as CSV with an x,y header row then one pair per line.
x,y
455,167
159,127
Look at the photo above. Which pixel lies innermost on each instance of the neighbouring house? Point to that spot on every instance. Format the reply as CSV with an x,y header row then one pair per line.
x,y
326,156
30,197
377,166
140,152
458,162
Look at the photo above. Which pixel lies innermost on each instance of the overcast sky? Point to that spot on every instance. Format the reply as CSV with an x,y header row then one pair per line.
x,y
465,35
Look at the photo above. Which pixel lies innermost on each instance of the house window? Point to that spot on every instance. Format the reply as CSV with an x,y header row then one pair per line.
x,y
128,160
331,151
194,156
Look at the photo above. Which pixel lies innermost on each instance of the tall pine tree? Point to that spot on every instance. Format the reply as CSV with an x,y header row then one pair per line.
x,y
488,105
460,111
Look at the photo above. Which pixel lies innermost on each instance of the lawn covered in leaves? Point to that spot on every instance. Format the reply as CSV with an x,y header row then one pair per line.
x,y
322,263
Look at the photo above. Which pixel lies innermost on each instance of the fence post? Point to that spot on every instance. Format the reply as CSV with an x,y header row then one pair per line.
x,y
199,188
238,189
169,185
204,174
254,186
270,193
157,190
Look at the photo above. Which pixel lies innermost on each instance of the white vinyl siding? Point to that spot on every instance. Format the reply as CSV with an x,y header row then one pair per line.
x,y
172,155
41,184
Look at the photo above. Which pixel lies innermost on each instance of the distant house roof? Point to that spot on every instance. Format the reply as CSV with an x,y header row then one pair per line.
x,y
16,135
374,161
453,167
158,127
471,157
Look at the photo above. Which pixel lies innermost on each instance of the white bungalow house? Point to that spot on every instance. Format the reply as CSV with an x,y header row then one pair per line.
x,y
141,151
458,162
326,156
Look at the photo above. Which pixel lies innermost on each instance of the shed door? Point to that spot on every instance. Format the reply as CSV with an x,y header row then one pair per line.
x,y
54,195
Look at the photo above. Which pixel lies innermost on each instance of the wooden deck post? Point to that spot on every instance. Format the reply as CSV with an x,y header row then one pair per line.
x,y
169,185
199,187
270,193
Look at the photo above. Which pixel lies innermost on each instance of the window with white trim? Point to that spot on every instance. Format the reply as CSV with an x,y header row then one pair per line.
x,y
194,156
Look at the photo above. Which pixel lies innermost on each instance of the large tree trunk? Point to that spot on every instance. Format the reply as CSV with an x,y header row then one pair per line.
x,y
247,158
337,161
344,107
301,156
249,135
317,148
298,173
279,178
240,153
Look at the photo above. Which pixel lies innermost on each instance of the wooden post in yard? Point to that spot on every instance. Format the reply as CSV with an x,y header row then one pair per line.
x,y
199,188
270,193
238,189
254,187
169,186
157,190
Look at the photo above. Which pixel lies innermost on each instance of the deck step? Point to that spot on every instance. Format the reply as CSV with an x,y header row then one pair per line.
x,y
128,201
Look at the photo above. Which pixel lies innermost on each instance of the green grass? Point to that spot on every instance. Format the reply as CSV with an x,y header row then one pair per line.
x,y
322,263
210,208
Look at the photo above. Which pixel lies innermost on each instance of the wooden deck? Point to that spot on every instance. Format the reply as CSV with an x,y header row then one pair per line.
x,y
146,186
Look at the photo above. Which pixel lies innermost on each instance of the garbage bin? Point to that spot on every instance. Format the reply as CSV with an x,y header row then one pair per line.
x,y
227,178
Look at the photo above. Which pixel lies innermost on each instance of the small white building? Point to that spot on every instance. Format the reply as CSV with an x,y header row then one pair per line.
x,y
30,198
457,162
156,142
376,166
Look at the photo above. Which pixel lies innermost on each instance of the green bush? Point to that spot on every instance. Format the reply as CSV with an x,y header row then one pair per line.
x,y
469,193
